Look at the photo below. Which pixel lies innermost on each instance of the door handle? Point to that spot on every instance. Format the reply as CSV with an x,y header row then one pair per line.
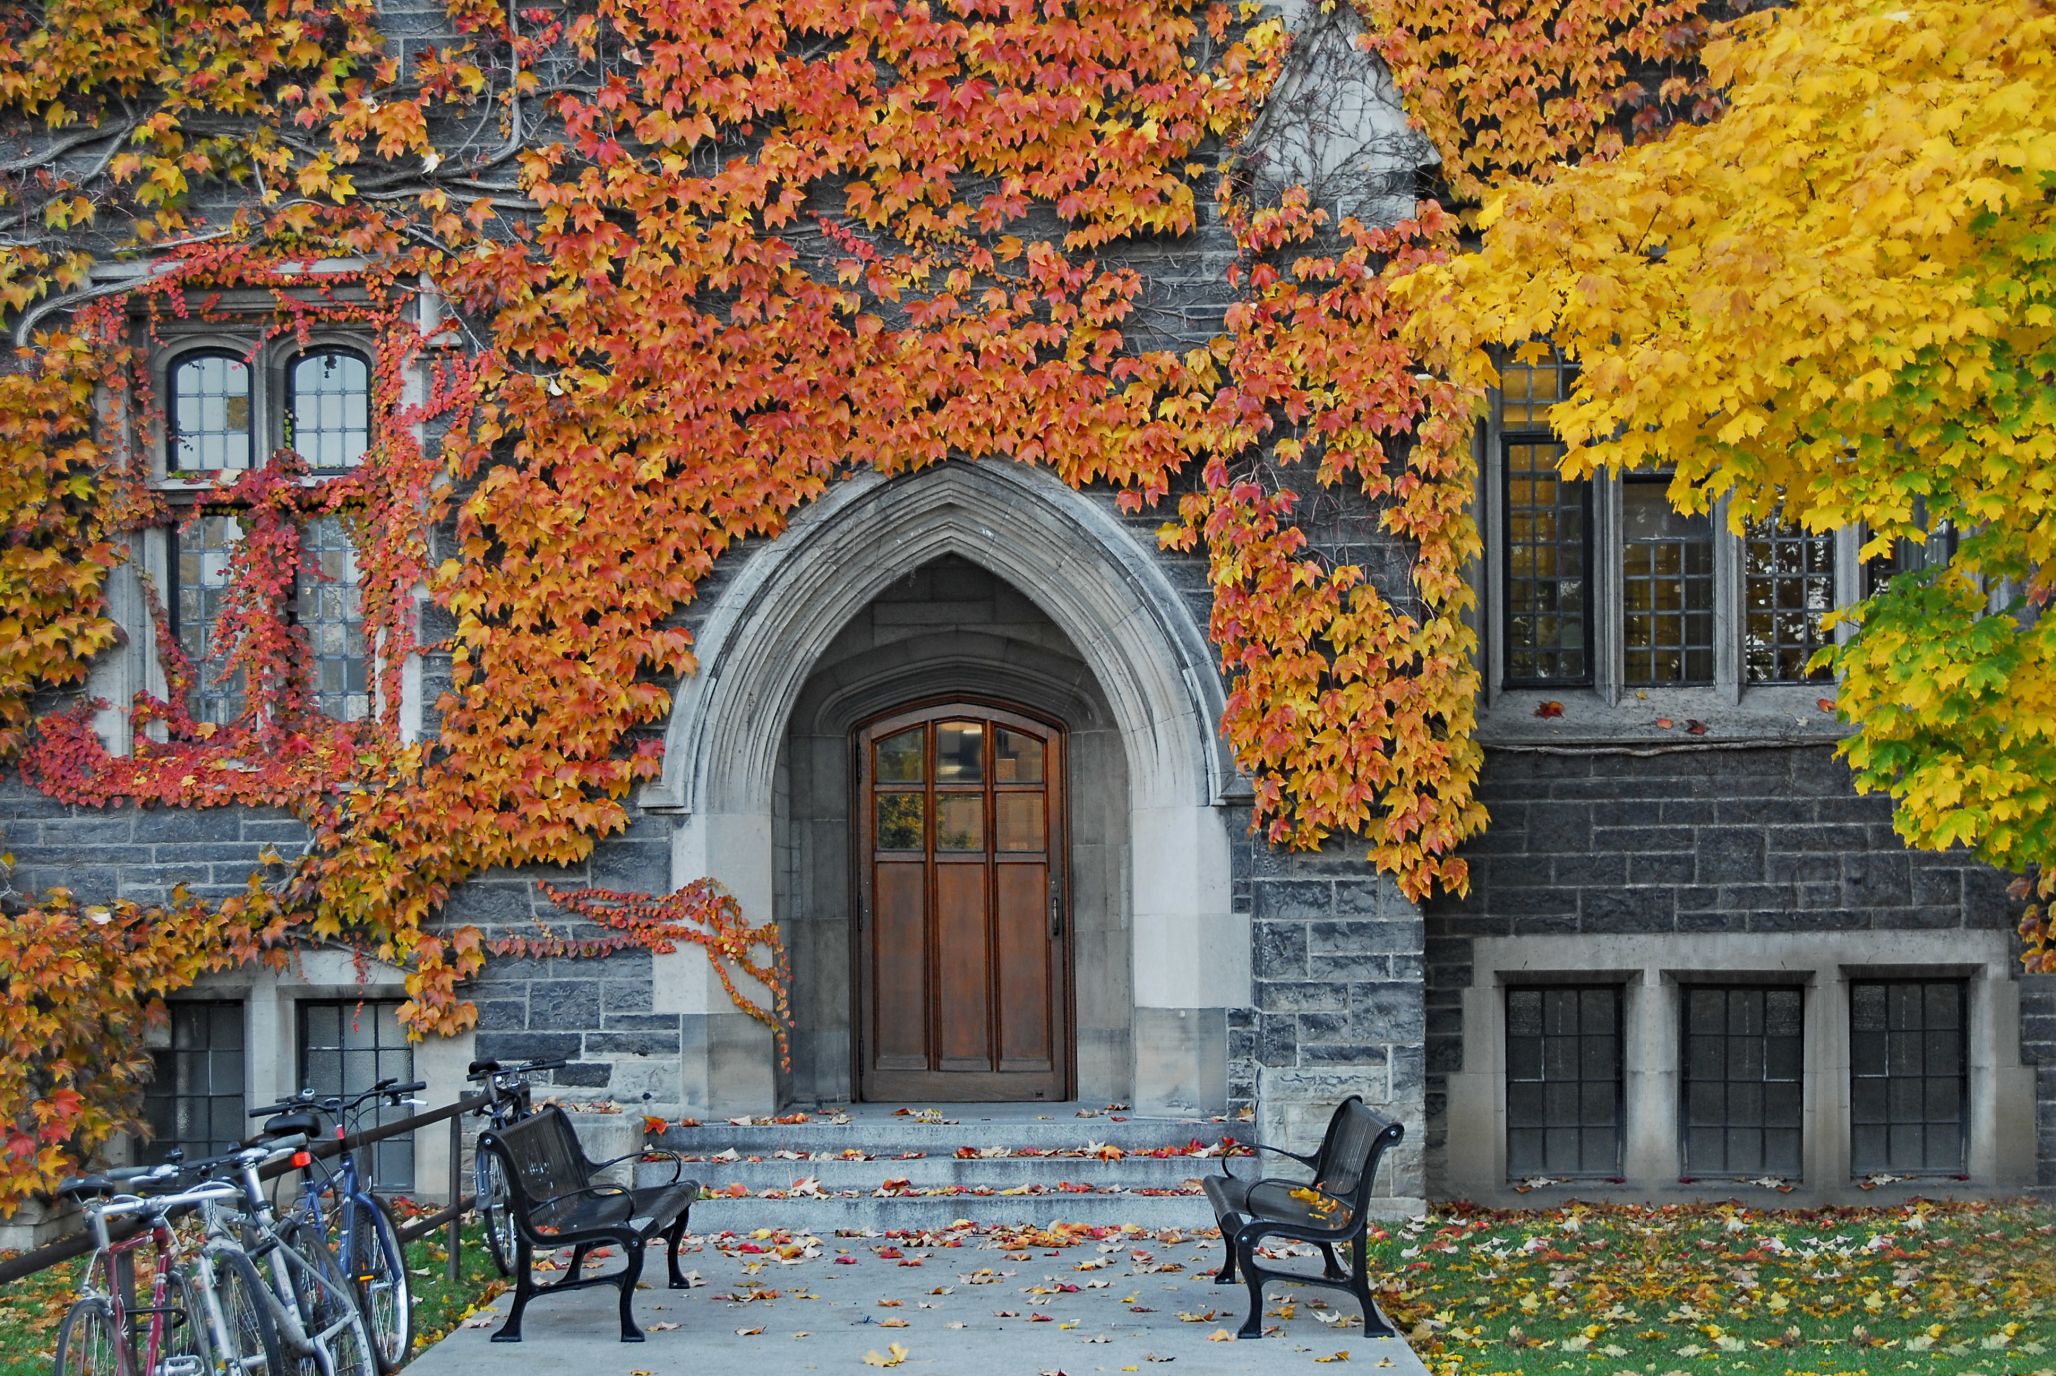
x,y
1056,912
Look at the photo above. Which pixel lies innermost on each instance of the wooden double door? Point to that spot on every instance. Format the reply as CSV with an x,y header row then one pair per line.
x,y
964,990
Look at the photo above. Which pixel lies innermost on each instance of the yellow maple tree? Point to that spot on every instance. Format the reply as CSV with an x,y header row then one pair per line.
x,y
1837,300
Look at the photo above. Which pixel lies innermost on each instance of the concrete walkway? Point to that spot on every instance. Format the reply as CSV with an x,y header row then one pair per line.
x,y
964,1301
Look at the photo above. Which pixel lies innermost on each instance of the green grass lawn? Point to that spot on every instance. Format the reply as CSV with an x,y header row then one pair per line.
x,y
31,1309
1942,1289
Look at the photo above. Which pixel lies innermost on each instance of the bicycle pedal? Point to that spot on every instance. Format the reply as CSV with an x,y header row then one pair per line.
x,y
185,1364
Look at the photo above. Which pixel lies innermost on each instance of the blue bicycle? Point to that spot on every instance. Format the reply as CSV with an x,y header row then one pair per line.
x,y
337,1204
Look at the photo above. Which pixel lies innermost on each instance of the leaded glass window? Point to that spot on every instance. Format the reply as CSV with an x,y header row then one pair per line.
x,y
1547,540
1666,588
1744,1049
1788,591
330,610
194,1100
349,1045
1563,1081
1909,555
328,407
1909,1079
201,552
209,414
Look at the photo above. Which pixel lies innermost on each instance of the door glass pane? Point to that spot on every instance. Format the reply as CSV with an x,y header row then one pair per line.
x,y
1016,758
960,821
899,758
1019,820
900,816
960,752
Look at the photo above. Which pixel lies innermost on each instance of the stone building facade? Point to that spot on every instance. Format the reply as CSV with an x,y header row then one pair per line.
x,y
1690,955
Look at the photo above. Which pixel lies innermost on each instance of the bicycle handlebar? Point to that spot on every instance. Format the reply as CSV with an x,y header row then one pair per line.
x,y
486,1070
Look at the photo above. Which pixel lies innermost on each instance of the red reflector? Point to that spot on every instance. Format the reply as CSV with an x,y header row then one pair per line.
x,y
302,1160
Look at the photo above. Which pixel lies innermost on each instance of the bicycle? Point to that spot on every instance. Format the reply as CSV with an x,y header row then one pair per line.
x,y
103,1333
361,1231
509,1099
309,1300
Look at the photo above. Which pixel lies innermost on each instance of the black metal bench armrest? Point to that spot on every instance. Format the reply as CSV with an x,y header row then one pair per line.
x,y
677,1161
1308,1161
582,1192
1254,1226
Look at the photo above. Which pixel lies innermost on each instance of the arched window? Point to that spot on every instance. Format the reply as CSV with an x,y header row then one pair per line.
x,y
209,415
328,407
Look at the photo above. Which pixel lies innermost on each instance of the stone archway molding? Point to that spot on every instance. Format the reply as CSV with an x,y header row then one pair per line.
x,y
766,627
1063,550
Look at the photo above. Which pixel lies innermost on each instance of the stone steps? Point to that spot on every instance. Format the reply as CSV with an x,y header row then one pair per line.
x,y
868,1214
934,1173
1003,1164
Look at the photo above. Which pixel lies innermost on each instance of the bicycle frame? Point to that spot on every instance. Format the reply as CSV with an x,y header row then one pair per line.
x,y
110,1260
287,1270
346,1185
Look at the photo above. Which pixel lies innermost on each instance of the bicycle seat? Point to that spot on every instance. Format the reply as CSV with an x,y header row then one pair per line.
x,y
479,1068
84,1187
300,1120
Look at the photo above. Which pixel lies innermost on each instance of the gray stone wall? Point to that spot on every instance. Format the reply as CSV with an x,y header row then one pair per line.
x,y
2038,1049
594,1011
136,853
1771,840
1337,1003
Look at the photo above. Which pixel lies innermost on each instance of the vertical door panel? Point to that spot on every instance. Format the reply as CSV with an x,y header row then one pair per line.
x,y
1027,1036
963,960
899,1002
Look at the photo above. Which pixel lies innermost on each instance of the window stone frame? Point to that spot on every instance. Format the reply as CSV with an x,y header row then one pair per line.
x,y
1757,710
1653,970
118,676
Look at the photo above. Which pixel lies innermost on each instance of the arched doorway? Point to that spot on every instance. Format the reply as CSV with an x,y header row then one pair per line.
x,y
963,967
757,771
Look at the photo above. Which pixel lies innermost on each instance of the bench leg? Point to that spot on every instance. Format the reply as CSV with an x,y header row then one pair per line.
x,y
1226,1275
1360,1286
630,1274
1331,1268
674,1235
524,1290
1253,1326
578,1255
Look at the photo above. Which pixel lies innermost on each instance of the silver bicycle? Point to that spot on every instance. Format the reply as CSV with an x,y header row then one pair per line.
x,y
306,1298
202,1316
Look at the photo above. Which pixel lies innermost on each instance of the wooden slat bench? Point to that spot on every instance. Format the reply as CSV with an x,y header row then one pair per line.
x,y
1328,1208
557,1200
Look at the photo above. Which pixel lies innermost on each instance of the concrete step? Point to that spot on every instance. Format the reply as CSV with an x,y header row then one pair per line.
x,y
826,1217
880,1136
932,1172
992,1163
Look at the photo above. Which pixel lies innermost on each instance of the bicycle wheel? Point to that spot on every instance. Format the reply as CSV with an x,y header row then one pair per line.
x,y
493,1210
88,1343
188,1347
328,1306
247,1343
378,1269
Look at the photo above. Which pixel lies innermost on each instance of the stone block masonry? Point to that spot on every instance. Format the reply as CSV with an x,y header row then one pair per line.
x,y
1336,1005
139,854
1771,842
2038,1049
